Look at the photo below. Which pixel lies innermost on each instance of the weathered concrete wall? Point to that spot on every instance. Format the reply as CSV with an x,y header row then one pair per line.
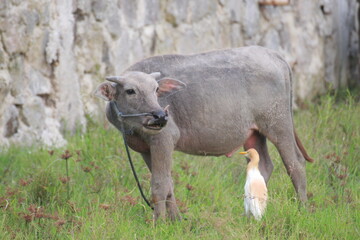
x,y
54,53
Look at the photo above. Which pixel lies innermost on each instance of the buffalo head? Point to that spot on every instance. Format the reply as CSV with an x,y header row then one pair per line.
x,y
136,93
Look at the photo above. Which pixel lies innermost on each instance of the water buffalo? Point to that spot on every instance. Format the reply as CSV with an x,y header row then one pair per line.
x,y
219,101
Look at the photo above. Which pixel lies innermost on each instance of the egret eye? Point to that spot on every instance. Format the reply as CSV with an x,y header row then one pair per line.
x,y
130,91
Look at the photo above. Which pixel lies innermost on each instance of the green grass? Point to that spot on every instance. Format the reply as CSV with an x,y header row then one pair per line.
x,y
100,199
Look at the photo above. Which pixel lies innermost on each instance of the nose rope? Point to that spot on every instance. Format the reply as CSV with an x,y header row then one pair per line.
x,y
119,114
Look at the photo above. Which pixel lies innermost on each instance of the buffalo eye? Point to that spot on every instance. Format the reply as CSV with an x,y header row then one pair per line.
x,y
130,91
157,89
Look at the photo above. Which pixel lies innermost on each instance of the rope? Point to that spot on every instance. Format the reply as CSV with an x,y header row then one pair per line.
x,y
133,170
119,114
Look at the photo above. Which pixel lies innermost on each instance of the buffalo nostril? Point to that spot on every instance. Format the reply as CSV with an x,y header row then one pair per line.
x,y
159,115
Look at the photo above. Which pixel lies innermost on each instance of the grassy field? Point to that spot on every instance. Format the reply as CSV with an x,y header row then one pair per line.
x,y
97,197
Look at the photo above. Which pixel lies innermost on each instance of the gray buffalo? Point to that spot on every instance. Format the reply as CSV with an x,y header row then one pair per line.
x,y
219,101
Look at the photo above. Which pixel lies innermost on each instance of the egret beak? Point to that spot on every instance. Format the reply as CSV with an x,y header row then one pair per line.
x,y
246,154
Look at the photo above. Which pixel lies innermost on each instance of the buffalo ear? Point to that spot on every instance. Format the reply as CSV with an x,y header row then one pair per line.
x,y
106,91
168,86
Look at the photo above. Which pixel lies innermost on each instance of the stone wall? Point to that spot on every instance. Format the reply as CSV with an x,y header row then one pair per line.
x,y
54,53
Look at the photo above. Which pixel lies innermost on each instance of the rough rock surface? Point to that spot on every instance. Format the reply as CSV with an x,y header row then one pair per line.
x,y
53,53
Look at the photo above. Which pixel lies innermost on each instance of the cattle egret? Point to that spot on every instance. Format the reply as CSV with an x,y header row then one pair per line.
x,y
255,187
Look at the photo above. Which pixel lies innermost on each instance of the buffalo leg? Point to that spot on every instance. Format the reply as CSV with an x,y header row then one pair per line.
x,y
147,159
258,141
161,183
282,136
